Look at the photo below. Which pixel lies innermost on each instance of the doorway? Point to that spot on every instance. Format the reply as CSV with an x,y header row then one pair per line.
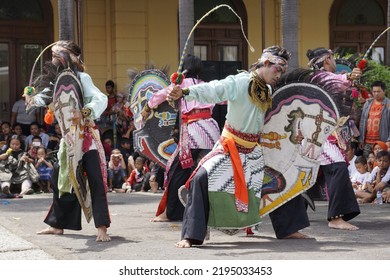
x,y
26,27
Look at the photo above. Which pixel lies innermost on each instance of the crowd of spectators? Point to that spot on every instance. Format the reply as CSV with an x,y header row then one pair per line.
x,y
38,144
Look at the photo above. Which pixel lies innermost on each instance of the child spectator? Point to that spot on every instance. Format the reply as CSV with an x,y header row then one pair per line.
x,y
116,171
379,178
360,177
377,147
44,168
370,161
16,168
350,154
36,142
18,131
139,177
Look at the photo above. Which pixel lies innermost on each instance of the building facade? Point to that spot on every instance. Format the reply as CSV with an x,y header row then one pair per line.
x,y
120,34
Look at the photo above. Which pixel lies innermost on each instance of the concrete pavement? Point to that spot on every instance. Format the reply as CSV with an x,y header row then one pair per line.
x,y
134,237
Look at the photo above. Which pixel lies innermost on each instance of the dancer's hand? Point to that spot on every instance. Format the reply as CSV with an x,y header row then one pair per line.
x,y
76,117
174,93
144,114
356,74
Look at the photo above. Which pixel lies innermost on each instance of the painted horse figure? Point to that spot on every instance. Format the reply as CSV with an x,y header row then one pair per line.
x,y
302,109
158,147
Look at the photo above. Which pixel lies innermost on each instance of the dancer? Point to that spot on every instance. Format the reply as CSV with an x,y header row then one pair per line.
x,y
198,134
65,211
342,202
225,189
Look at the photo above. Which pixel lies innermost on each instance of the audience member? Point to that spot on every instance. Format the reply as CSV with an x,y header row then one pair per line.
x,y
110,90
35,130
379,179
5,135
119,115
45,169
116,171
360,177
376,148
156,180
126,150
16,168
139,177
19,115
350,155
375,118
54,139
18,131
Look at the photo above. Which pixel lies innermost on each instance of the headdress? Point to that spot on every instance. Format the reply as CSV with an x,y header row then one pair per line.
x,y
277,58
317,57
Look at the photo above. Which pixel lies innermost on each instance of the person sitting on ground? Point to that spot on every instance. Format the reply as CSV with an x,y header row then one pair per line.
x,y
126,150
14,165
18,131
54,139
116,171
35,130
45,169
360,177
379,179
370,161
139,177
5,135
376,148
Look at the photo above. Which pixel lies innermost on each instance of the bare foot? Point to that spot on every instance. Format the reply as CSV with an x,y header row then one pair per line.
x,y
339,223
185,243
51,230
102,235
161,218
296,235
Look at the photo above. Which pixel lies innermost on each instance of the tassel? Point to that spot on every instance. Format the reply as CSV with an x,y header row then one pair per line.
x,y
49,117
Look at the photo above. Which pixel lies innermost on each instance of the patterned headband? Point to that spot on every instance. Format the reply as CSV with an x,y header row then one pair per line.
x,y
59,49
275,59
318,59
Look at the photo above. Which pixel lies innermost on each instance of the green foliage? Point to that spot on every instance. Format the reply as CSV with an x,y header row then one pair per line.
x,y
376,72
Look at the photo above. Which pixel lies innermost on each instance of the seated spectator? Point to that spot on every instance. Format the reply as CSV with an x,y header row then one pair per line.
x,y
370,161
350,154
44,168
360,177
376,147
107,146
5,135
16,168
139,177
116,171
156,180
17,130
35,130
126,150
379,178
33,149
54,139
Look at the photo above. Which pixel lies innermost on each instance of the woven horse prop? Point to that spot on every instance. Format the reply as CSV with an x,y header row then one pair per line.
x,y
300,109
152,137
